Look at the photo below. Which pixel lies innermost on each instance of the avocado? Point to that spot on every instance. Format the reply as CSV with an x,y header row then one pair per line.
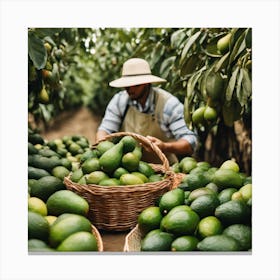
x,y
214,85
184,243
242,234
137,151
90,165
38,227
188,165
155,178
47,163
87,154
79,241
63,228
130,161
145,168
111,159
130,179
119,172
104,146
76,175
46,186
129,143
36,244
36,173
157,241
225,195
149,219
227,178
171,199
198,192
35,139
180,222
66,163
46,152
31,149
60,172
218,243
110,182
197,180
233,212
65,201
205,205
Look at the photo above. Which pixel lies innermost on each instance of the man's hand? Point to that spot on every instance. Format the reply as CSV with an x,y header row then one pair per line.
x,y
100,135
179,147
156,141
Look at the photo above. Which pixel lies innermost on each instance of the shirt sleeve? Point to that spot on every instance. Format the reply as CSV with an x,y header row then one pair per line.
x,y
113,115
173,115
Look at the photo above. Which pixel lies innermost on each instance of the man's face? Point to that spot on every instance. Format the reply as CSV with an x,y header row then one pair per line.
x,y
136,92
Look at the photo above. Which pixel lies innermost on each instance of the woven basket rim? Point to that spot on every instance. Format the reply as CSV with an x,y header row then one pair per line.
x,y
98,238
135,230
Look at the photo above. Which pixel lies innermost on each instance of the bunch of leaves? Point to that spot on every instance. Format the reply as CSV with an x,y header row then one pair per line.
x,y
53,83
199,58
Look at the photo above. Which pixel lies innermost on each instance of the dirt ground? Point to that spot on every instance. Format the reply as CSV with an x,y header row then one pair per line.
x,y
83,122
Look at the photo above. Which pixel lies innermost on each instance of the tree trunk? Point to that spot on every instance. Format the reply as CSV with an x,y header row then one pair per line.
x,y
229,143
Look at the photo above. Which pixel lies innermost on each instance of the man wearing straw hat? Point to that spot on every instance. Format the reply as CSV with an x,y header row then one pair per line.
x,y
147,110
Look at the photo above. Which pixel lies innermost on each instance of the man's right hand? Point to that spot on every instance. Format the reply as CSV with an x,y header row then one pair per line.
x,y
100,135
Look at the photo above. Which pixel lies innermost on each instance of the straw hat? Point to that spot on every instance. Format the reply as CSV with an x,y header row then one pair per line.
x,y
135,71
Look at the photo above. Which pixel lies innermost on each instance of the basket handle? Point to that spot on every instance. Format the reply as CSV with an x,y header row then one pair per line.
x,y
146,143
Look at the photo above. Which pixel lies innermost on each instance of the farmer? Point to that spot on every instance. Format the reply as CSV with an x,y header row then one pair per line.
x,y
149,111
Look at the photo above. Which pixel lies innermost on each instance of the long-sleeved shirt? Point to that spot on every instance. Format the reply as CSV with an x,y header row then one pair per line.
x,y
172,124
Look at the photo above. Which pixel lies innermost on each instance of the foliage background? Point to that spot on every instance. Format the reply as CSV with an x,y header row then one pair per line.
x,y
71,67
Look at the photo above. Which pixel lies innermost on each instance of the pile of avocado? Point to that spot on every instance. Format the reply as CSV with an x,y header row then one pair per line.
x,y
211,210
116,162
57,217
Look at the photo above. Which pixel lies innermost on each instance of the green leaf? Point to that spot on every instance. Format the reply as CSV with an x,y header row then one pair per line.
x,y
177,38
246,88
203,38
43,32
124,37
187,114
189,43
157,53
231,84
236,33
238,47
246,82
45,112
190,65
238,86
166,66
55,74
223,61
191,85
211,47
248,38
36,51
203,83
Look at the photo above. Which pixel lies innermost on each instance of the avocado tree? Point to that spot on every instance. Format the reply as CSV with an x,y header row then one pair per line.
x,y
58,71
208,69
219,92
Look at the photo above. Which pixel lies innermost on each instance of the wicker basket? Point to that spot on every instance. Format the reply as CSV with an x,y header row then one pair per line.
x,y
97,235
117,207
133,240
